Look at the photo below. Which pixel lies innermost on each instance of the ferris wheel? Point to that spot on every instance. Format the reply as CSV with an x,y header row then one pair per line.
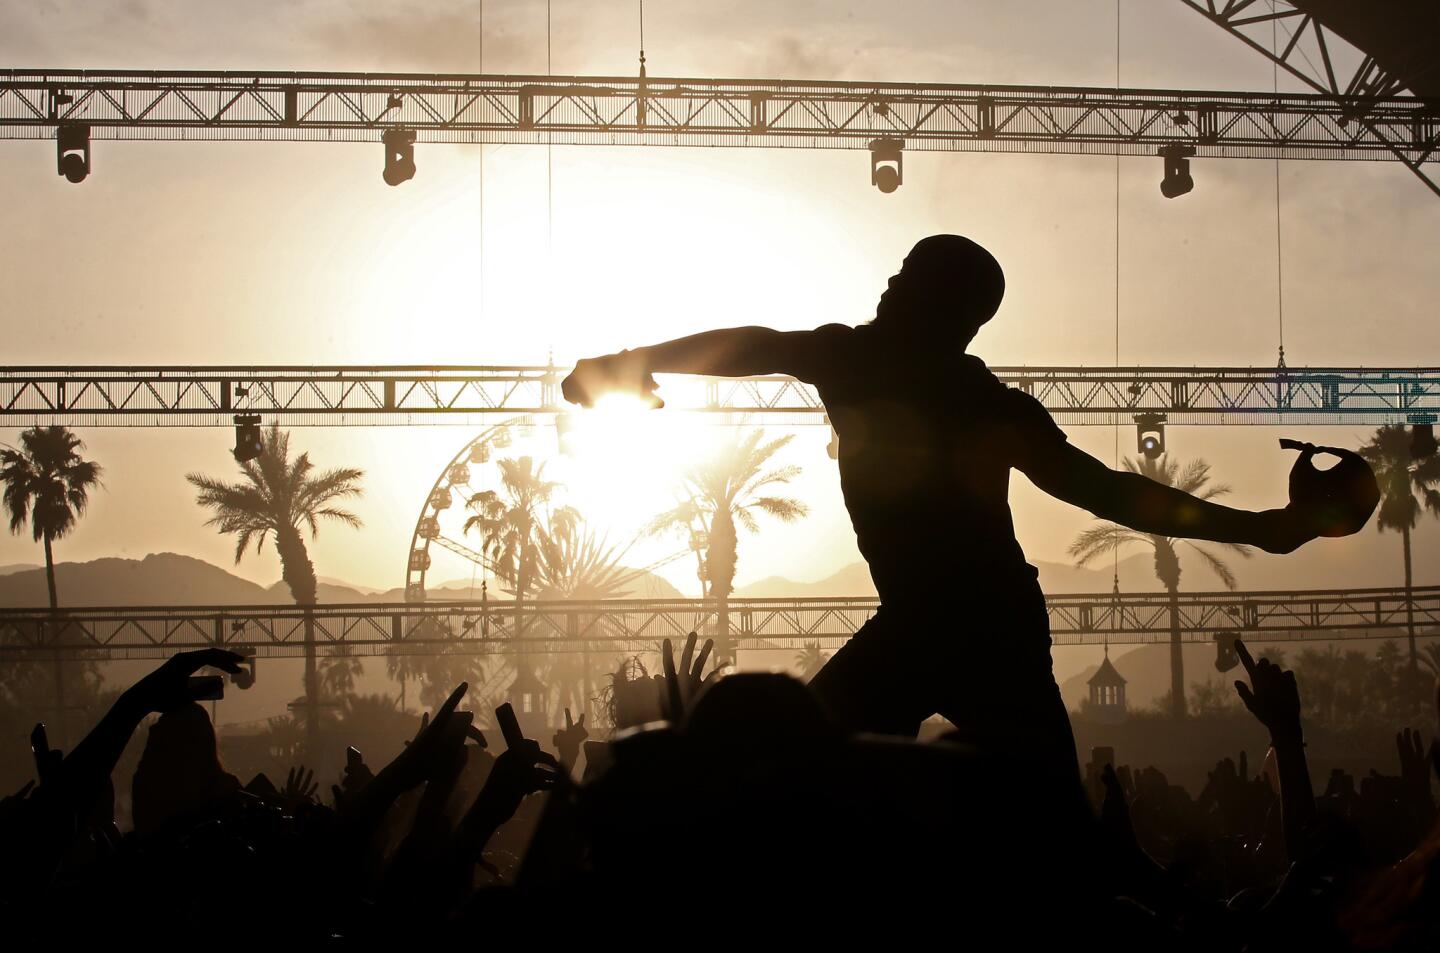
x,y
441,521
440,527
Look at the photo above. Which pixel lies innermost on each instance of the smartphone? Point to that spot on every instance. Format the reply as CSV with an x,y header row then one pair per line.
x,y
353,757
509,725
1102,755
206,688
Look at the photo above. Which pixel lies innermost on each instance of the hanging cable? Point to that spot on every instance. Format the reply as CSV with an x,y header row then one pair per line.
x,y
1115,548
480,68
549,165
1279,255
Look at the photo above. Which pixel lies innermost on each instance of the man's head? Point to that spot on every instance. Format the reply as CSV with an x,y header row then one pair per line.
x,y
947,287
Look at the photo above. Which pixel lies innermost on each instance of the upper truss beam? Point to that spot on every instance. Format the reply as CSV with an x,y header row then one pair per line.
x,y
629,626
1297,40
615,110
368,396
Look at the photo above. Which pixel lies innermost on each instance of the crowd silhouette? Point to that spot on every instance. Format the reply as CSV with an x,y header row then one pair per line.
x,y
737,806
747,797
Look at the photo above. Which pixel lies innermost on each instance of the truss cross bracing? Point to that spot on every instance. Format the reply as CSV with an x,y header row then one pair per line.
x,y
633,626
368,396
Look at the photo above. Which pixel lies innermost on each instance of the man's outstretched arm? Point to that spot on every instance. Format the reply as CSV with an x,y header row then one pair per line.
x,y
730,352
1072,475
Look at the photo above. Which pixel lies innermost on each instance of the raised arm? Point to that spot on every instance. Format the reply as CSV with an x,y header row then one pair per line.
x,y
730,352
1072,475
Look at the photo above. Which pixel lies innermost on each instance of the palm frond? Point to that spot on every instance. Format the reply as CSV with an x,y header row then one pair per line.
x,y
1101,540
1216,564
784,509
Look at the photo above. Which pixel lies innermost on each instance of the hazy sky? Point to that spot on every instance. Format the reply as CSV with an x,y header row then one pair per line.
x,y
177,253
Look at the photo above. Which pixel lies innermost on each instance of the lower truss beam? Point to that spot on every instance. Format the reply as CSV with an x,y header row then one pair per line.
x,y
638,626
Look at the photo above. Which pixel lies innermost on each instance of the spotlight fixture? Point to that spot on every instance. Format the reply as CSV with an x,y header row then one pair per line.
x,y
1177,179
1150,434
1226,657
565,433
1422,440
72,152
245,678
399,155
249,443
887,165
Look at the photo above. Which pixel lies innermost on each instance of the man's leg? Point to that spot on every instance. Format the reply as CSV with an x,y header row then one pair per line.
x,y
998,690
871,685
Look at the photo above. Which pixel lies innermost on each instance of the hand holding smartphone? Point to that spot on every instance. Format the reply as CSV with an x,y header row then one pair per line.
x,y
509,725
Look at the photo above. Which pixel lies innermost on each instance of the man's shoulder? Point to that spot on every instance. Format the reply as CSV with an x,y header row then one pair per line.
x,y
825,352
1023,406
837,332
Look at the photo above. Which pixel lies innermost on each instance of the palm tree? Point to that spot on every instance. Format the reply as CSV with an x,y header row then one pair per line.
x,y
574,562
339,671
511,521
1430,659
577,563
725,491
1402,479
810,659
440,670
47,484
511,524
1107,538
281,497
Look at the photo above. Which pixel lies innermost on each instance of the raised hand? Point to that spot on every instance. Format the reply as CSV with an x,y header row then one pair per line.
x,y
1414,770
683,685
518,772
167,687
567,740
47,759
1115,807
357,774
623,373
1272,696
300,787
1274,699
432,747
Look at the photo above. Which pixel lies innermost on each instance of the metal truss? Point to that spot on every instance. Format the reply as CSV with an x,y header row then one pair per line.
x,y
612,110
1305,48
638,626
368,396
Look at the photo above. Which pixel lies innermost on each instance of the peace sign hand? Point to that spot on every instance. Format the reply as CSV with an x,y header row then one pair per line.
x,y
567,740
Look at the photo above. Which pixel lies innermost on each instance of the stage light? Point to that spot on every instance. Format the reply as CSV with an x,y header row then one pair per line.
x,y
1422,441
565,425
72,152
887,165
399,155
1150,434
1177,179
249,443
1225,656
245,678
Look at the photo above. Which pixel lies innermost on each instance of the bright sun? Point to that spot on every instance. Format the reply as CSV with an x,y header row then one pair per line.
x,y
622,464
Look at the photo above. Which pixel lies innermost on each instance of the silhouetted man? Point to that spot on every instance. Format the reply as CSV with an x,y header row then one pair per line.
x,y
928,437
